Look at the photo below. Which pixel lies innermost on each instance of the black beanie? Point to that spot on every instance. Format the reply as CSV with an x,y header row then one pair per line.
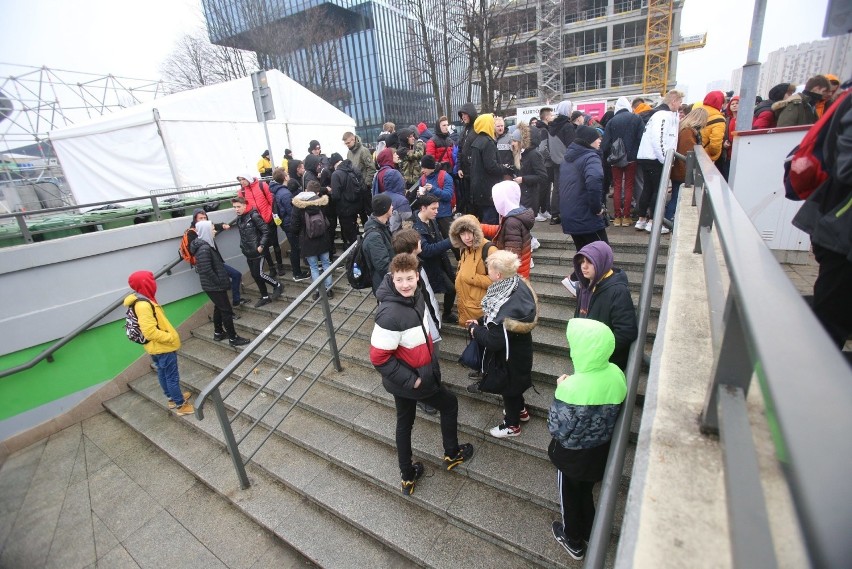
x,y
428,161
313,144
334,159
381,204
587,135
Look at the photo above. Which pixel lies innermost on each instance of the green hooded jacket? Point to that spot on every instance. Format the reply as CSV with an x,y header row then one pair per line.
x,y
586,404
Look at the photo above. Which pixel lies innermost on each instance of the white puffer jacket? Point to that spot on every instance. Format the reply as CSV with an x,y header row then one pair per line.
x,y
659,137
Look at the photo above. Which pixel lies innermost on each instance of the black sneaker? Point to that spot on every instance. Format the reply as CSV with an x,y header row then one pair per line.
x,y
219,336
316,295
475,375
236,342
555,220
408,485
473,388
464,453
450,319
329,293
262,302
428,409
301,277
276,292
280,269
575,550
241,302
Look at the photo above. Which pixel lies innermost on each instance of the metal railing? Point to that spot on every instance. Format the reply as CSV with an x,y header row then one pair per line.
x,y
161,202
47,354
602,527
259,353
763,327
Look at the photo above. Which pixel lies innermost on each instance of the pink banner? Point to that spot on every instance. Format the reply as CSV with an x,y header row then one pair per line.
x,y
594,108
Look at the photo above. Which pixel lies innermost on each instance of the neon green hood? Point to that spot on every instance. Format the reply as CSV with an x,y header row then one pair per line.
x,y
595,380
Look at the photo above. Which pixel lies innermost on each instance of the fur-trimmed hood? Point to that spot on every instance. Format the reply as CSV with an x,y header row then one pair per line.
x,y
304,201
466,223
794,99
520,312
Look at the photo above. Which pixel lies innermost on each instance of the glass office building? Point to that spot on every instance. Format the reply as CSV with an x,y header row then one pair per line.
x,y
359,56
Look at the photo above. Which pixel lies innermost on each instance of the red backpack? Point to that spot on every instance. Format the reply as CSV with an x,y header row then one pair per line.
x,y
442,175
804,167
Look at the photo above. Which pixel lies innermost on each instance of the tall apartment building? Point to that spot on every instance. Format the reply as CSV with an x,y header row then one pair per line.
x,y
797,63
582,49
359,56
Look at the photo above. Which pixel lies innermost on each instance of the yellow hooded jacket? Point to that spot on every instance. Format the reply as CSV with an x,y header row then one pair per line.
x,y
162,336
484,124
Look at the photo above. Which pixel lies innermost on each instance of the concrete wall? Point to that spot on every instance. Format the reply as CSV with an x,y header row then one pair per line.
x,y
50,288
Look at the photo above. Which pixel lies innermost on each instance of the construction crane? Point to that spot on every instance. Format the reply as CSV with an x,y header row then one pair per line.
x,y
658,41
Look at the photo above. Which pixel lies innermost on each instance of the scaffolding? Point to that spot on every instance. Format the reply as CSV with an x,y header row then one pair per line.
x,y
551,21
658,41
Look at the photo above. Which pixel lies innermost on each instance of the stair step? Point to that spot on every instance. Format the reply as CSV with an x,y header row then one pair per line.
x,y
314,532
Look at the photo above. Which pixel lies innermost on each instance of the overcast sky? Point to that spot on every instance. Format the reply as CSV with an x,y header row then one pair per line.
x,y
131,39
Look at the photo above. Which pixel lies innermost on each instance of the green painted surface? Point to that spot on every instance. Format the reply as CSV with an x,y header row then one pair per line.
x,y
95,356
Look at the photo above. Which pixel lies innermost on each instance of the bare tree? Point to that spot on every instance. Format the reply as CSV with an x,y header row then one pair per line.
x,y
195,62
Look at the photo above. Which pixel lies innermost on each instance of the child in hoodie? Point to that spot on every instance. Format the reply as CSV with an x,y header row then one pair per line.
x,y
603,295
314,249
516,222
163,340
582,419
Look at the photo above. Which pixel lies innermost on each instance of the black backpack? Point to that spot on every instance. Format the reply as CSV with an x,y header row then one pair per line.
x,y
617,154
315,223
357,270
352,190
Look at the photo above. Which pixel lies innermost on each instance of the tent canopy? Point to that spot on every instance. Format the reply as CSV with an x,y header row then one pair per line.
x,y
203,136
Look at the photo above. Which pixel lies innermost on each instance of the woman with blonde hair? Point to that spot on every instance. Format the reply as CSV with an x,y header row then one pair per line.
x,y
530,171
509,314
688,137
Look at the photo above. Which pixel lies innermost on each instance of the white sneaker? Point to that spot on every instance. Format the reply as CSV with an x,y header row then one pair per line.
x,y
532,263
664,230
540,217
640,225
502,431
570,285
535,244
649,227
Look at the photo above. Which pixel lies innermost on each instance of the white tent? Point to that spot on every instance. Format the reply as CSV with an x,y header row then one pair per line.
x,y
197,137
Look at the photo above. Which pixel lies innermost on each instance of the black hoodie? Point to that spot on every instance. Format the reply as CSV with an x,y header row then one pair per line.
x,y
467,136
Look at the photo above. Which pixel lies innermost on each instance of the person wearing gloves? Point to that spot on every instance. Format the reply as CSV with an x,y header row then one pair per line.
x,y
516,222
603,294
581,421
215,282
401,350
163,340
580,190
659,137
509,315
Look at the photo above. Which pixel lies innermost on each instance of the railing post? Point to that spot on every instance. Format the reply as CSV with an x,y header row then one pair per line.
x,y
329,326
705,220
690,170
230,441
732,365
157,215
25,231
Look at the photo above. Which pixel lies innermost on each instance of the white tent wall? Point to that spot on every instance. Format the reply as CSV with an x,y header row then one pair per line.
x,y
211,135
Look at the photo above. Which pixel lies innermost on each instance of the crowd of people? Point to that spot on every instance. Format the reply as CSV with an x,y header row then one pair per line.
x,y
447,220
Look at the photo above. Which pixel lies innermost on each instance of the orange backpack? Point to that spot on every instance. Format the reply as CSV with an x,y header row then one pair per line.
x,y
183,250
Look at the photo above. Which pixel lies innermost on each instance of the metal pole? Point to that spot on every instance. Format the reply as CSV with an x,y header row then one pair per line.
x,y
329,325
230,441
269,144
751,69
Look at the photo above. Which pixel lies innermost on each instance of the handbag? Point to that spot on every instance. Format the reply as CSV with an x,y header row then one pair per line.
x,y
472,355
617,154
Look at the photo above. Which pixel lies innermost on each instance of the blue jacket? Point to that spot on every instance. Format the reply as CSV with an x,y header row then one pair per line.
x,y
445,194
284,203
580,188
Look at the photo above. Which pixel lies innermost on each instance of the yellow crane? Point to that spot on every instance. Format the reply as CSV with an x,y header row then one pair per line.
x,y
658,41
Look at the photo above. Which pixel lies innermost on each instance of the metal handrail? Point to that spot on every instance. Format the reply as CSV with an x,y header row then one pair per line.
x,y
212,390
48,353
602,526
770,332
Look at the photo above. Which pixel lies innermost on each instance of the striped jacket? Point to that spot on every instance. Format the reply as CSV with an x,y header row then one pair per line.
x,y
401,346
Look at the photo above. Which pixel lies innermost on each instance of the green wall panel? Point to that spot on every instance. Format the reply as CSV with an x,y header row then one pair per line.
x,y
95,356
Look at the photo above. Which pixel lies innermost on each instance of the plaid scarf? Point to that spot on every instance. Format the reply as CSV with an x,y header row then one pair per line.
x,y
497,295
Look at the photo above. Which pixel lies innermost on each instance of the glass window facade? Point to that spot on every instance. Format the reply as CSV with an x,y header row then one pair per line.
x,y
360,62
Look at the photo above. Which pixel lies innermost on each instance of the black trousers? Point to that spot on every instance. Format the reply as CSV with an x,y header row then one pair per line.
x,y
449,293
554,194
273,244
578,507
832,305
406,410
260,278
652,172
295,253
513,405
348,229
223,313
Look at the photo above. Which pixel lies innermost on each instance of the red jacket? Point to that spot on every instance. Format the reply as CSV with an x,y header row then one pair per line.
x,y
441,152
258,197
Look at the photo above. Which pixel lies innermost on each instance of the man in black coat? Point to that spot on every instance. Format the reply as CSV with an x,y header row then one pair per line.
x,y
484,169
254,235
377,245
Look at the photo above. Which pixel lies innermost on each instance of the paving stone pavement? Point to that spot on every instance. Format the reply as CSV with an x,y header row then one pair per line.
x,y
99,495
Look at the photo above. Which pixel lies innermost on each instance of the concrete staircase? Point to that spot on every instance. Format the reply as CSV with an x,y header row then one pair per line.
x,y
333,457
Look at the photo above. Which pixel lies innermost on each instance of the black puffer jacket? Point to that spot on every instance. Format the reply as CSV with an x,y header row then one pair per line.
x,y
210,267
254,233
612,304
309,203
466,137
346,189
484,170
378,249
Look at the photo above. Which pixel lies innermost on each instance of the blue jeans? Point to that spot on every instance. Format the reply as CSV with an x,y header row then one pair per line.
x,y
236,278
167,373
315,272
671,207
